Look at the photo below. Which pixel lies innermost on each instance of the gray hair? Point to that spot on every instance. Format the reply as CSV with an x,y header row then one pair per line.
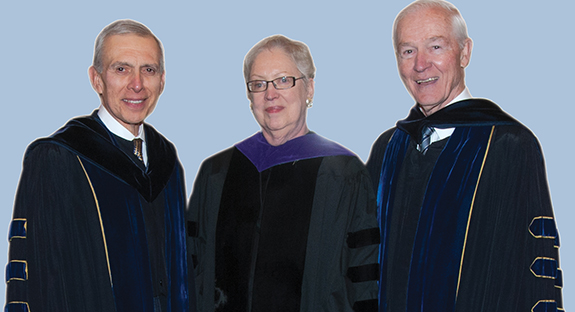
x,y
123,27
297,50
457,21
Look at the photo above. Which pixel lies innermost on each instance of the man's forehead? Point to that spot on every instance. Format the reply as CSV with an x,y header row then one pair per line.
x,y
128,37
130,44
426,18
424,25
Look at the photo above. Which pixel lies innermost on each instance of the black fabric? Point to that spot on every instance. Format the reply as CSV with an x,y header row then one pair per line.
x,y
470,112
56,256
512,192
262,233
128,148
410,191
366,305
192,228
90,135
363,238
363,273
154,219
156,236
343,203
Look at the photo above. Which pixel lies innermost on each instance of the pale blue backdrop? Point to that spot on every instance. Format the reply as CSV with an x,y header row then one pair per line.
x,y
521,59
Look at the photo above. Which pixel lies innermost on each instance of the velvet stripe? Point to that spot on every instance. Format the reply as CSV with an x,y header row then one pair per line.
x,y
543,227
17,229
126,241
363,238
559,278
391,164
544,268
545,306
176,263
363,273
365,305
16,270
441,232
16,307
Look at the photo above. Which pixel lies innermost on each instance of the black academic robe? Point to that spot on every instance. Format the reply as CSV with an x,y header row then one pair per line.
x,y
299,235
468,226
79,237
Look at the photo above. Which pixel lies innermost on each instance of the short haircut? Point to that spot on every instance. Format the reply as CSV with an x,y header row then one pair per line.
x,y
297,50
123,27
457,21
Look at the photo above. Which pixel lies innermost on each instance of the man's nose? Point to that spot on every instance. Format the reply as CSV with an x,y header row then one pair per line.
x,y
136,83
421,61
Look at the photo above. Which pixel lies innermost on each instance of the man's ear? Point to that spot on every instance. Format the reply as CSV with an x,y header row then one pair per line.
x,y
466,52
96,80
163,82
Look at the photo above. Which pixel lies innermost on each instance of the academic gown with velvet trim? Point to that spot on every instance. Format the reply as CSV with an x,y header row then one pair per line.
x,y
502,252
78,238
316,248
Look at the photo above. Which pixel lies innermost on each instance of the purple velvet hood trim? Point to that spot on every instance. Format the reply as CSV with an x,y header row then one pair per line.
x,y
264,156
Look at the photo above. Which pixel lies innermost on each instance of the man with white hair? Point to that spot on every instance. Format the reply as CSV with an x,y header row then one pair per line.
x,y
465,212
98,222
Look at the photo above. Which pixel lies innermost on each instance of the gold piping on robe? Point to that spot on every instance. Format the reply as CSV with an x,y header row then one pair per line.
x,y
100,217
471,210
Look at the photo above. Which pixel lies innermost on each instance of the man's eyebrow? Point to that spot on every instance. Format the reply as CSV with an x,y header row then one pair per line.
x,y
121,64
438,38
405,44
154,65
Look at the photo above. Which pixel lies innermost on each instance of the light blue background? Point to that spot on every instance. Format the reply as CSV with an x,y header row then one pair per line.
x,y
522,59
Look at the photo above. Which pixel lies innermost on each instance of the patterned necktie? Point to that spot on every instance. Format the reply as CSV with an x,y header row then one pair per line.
x,y
425,140
138,149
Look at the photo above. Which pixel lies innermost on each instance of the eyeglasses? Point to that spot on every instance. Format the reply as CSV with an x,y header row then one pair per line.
x,y
281,83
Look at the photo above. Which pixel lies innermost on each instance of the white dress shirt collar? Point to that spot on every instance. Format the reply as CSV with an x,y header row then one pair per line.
x,y
116,128
440,134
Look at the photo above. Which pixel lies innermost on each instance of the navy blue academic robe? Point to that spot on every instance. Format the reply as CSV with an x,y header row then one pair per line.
x,y
79,239
468,226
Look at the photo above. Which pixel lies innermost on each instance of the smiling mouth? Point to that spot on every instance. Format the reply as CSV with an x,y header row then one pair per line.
x,y
274,109
133,101
426,80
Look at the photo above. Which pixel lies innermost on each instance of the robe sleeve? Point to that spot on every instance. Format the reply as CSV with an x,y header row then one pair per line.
x,y
512,259
56,254
341,263
362,243
201,217
375,159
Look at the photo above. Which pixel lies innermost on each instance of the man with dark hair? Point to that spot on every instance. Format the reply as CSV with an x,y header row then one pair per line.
x,y
98,222
465,213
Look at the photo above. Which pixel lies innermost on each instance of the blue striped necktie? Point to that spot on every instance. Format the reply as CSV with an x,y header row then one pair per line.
x,y
425,140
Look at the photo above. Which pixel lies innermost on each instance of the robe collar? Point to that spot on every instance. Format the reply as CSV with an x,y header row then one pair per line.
x,y
88,137
470,112
264,155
